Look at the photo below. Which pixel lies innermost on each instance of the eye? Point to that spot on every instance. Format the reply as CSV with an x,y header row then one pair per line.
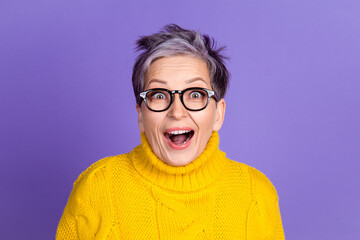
x,y
157,95
196,94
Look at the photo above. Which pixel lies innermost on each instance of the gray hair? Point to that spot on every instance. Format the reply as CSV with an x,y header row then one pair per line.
x,y
174,40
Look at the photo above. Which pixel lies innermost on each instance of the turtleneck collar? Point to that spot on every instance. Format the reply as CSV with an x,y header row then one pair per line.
x,y
191,177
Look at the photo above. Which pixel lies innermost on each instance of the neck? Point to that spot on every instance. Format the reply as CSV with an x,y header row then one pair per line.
x,y
196,175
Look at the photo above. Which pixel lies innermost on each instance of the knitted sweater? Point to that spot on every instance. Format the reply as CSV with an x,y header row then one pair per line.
x,y
138,196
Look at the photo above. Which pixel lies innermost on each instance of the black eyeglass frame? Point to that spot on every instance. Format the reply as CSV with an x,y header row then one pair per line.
x,y
210,94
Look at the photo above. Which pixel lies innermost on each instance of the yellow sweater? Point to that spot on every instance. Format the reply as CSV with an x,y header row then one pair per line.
x,y
137,196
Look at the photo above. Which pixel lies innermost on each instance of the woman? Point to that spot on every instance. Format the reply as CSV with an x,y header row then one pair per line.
x,y
177,184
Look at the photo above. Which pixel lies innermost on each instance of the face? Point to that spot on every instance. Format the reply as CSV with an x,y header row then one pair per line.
x,y
163,129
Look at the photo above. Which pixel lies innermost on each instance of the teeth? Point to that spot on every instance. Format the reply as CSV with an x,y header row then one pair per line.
x,y
178,132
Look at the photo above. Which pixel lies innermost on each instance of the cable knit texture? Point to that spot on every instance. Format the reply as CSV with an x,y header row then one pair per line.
x,y
138,196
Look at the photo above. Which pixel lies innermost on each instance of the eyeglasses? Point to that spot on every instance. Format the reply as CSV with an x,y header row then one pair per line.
x,y
193,99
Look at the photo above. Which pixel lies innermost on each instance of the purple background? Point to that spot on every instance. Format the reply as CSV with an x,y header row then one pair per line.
x,y
293,105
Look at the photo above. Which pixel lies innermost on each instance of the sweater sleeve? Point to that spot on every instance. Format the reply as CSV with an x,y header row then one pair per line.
x,y
264,219
87,213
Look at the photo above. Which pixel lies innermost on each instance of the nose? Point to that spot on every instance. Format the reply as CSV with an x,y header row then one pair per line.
x,y
177,109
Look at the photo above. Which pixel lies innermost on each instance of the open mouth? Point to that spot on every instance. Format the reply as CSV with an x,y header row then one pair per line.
x,y
179,137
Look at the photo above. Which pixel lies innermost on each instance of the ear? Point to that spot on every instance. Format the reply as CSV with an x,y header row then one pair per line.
x,y
220,114
140,118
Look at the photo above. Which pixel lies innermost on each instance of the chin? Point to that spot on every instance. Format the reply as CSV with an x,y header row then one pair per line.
x,y
174,161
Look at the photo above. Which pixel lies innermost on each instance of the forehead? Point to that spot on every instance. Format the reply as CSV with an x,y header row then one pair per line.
x,y
177,70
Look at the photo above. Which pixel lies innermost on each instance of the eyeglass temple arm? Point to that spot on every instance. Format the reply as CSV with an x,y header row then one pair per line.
x,y
212,94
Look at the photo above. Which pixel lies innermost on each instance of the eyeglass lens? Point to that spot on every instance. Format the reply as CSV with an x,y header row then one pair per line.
x,y
193,99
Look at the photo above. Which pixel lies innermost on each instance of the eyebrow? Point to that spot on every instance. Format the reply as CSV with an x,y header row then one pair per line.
x,y
157,81
196,79
187,81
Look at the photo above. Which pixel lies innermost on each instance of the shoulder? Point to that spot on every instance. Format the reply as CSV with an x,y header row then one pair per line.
x,y
94,182
261,183
99,170
261,186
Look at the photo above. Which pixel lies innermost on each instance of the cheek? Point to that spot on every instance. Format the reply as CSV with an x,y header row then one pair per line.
x,y
205,120
152,120
149,123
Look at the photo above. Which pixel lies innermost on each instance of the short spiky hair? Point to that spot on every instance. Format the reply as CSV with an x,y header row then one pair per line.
x,y
174,40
